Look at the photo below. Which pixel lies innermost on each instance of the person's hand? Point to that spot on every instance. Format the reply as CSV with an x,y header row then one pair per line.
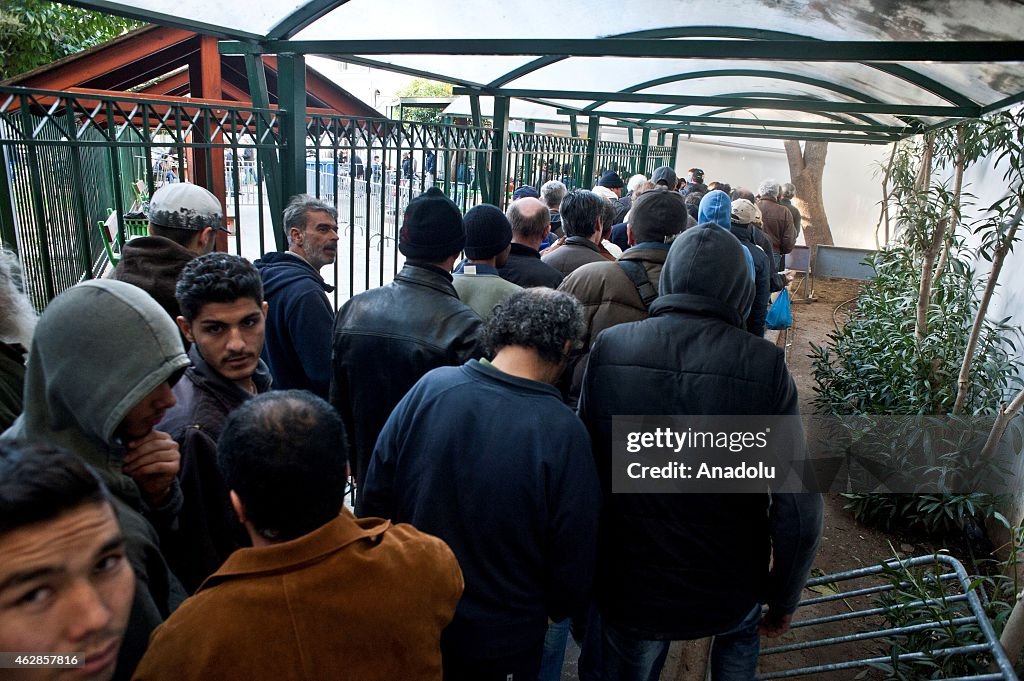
x,y
153,463
774,626
554,246
789,275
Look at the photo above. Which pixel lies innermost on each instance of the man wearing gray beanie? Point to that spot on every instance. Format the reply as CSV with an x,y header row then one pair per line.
x,y
386,338
488,242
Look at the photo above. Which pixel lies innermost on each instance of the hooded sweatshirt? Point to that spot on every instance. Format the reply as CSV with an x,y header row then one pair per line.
x,y
300,322
99,348
682,566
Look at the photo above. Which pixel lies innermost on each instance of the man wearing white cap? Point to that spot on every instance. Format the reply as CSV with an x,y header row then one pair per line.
x,y
182,221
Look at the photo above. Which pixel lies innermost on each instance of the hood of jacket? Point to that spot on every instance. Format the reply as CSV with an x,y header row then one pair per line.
x,y
280,270
715,207
99,348
706,273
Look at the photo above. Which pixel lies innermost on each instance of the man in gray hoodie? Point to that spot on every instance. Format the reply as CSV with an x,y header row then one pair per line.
x,y
99,377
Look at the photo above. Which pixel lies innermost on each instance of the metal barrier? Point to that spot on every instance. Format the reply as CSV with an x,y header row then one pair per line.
x,y
71,159
946,625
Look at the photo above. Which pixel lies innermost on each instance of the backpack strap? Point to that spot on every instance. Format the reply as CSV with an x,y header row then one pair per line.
x,y
638,275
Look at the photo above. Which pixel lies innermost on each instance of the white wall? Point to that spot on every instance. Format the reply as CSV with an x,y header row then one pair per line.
x,y
850,188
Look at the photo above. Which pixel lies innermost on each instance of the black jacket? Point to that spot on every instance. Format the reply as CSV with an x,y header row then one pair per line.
x,y
681,566
208,530
297,348
525,268
385,340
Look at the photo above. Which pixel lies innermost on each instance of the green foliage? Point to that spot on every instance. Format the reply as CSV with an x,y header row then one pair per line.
x,y
420,87
874,365
37,32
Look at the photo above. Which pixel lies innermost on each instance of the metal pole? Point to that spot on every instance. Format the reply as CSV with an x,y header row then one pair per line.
x,y
500,169
291,98
645,141
593,130
267,159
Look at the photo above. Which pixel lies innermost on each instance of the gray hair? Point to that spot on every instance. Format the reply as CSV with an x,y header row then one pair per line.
x,y
581,211
635,182
299,206
526,224
17,316
769,189
552,193
788,190
539,318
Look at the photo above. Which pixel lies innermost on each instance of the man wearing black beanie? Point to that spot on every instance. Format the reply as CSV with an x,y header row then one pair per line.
x,y
488,242
387,338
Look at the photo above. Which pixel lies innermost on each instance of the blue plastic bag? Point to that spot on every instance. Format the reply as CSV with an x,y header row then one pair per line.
x,y
779,314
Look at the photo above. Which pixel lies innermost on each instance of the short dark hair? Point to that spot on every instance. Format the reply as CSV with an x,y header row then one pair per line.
x,y
182,237
40,482
216,278
581,210
284,454
538,318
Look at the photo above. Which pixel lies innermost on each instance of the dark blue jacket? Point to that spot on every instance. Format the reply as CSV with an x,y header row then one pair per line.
x,y
501,470
300,318
763,267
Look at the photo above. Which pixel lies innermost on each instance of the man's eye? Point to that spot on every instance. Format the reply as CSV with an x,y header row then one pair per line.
x,y
34,596
249,323
213,330
109,563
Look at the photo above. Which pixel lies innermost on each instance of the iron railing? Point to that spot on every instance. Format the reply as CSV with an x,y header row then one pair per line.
x,y
71,160
920,617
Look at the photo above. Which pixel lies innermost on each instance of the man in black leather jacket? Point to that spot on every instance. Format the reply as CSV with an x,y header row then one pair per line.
x,y
387,338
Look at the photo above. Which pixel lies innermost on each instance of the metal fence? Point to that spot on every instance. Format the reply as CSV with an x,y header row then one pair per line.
x,y
74,160
920,617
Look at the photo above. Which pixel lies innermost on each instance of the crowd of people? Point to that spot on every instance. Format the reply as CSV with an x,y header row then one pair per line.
x,y
181,439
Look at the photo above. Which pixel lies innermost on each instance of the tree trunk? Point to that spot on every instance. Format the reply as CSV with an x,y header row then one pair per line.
x,y
930,247
805,169
958,186
964,382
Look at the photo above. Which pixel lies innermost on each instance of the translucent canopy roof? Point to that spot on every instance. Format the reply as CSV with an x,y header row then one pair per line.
x,y
867,70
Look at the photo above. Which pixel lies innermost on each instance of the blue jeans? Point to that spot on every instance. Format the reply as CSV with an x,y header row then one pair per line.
x,y
733,653
554,650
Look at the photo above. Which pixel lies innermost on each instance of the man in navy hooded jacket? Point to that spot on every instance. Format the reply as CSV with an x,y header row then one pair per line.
x,y
300,318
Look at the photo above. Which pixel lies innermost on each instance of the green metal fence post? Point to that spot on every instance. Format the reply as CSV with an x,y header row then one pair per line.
x,y
267,158
675,149
499,169
645,141
593,130
481,175
38,204
291,97
82,218
8,231
528,174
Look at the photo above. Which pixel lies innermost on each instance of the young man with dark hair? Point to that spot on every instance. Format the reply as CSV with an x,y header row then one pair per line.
x,y
300,316
320,595
585,216
222,315
66,586
487,457
385,339
183,220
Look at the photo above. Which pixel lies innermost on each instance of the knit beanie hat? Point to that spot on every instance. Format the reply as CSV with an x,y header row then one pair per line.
x,y
432,228
488,232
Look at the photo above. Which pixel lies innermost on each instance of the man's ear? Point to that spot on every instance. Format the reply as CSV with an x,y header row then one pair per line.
x,y
630,239
264,308
239,507
186,328
295,235
203,238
